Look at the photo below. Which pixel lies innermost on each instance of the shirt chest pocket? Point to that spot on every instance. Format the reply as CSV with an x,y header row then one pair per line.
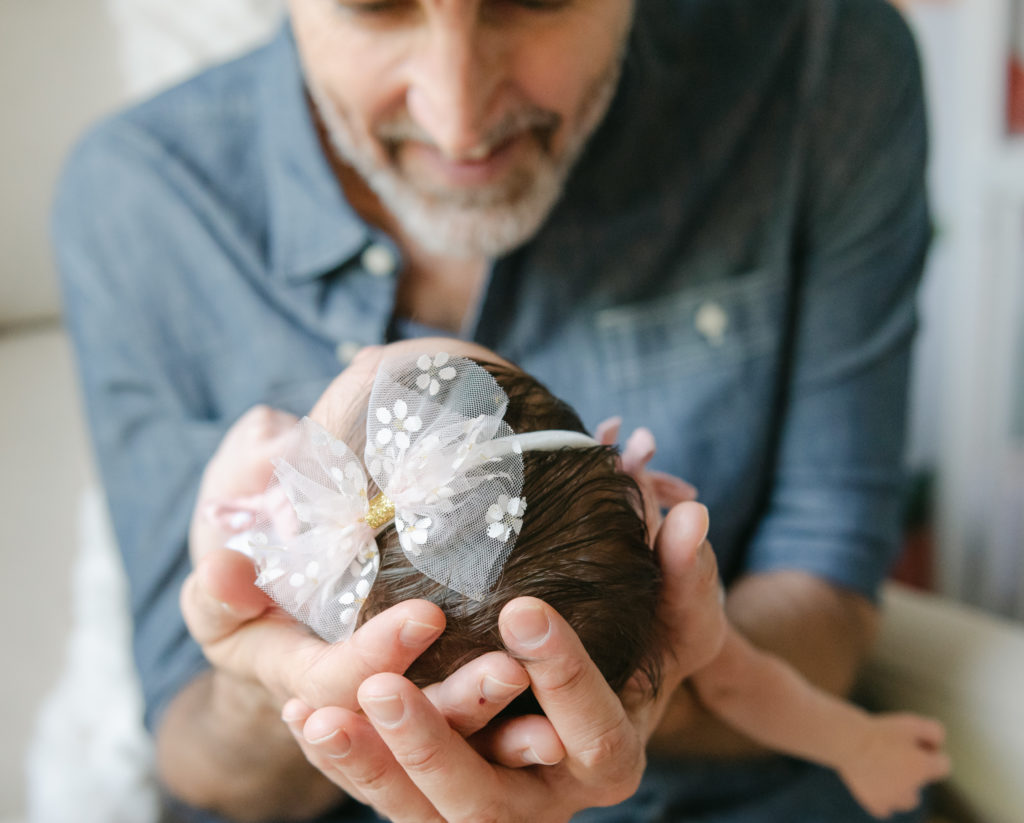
x,y
702,356
708,327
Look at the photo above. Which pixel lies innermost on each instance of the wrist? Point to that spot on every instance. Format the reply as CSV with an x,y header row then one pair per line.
x,y
851,741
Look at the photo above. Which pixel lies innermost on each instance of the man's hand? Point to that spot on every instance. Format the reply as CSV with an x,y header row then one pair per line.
x,y
404,758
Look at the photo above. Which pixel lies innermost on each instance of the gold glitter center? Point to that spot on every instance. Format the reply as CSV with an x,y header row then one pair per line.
x,y
382,510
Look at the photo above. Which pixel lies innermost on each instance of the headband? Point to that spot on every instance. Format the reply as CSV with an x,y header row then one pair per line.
x,y
450,475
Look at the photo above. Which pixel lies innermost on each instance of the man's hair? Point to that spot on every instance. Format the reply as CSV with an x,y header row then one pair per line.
x,y
583,549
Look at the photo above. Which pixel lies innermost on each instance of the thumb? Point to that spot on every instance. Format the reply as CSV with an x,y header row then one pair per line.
x,y
691,600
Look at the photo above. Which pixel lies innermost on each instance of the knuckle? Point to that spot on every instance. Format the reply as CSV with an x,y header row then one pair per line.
x,y
620,765
424,759
566,676
492,812
372,778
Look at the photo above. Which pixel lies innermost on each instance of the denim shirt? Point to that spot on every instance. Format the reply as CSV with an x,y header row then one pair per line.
x,y
732,264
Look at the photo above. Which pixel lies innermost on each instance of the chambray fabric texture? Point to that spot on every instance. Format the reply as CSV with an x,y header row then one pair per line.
x,y
733,265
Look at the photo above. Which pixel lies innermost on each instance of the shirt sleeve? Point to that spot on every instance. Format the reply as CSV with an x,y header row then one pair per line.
x,y
834,509
151,435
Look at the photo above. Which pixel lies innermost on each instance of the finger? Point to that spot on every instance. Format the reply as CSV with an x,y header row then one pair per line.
x,y
219,596
638,452
529,740
690,606
603,747
930,733
389,642
321,749
346,748
941,766
670,489
291,661
607,431
434,756
475,693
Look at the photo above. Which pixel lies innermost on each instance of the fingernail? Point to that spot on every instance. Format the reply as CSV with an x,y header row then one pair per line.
x,y
707,521
387,710
341,746
323,739
530,756
529,625
415,634
496,691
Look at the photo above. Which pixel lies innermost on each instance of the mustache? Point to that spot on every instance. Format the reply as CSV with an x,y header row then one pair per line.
x,y
402,128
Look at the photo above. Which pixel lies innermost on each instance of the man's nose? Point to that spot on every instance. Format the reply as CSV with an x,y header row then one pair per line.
x,y
451,91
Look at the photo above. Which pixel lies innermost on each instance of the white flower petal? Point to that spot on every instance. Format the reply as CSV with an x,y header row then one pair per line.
x,y
269,576
312,568
347,599
347,616
423,362
383,436
419,536
494,530
297,579
423,381
363,588
494,513
383,415
435,387
441,358
447,374
402,440
424,523
413,424
401,408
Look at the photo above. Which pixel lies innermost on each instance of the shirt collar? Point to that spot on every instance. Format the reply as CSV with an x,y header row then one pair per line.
x,y
311,228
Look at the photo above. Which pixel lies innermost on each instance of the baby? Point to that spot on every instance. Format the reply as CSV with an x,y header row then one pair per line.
x,y
476,486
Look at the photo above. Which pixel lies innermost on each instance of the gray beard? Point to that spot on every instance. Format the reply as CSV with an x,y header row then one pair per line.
x,y
469,225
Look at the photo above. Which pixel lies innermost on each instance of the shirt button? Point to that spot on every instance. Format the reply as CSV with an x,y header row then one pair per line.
x,y
712,322
346,351
379,260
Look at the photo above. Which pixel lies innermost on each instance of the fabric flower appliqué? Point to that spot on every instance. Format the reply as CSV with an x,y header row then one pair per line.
x,y
413,535
399,423
505,517
435,369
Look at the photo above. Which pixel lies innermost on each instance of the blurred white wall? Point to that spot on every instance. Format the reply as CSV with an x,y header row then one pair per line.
x,y
57,72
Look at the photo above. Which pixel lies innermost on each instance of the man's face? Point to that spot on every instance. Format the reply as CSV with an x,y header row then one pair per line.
x,y
463,116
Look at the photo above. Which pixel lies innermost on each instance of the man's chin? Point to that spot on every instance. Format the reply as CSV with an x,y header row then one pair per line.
x,y
468,232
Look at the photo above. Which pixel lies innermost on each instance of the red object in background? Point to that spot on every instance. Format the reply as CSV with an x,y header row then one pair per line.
x,y
916,564
1015,94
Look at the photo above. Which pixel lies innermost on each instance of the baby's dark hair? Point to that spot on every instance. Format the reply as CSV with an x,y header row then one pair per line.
x,y
583,549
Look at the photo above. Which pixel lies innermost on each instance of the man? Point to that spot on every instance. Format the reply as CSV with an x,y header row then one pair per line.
x,y
707,216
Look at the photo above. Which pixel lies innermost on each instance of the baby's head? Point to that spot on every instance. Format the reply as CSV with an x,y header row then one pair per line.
x,y
583,545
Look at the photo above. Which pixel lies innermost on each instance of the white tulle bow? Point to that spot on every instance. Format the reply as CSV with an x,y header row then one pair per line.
x,y
441,455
